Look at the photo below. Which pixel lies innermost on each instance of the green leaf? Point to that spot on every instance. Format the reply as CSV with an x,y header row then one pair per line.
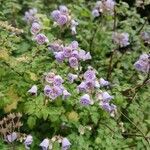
x,y
31,122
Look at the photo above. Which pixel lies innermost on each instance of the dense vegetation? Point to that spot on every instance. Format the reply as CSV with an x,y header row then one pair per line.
x,y
74,74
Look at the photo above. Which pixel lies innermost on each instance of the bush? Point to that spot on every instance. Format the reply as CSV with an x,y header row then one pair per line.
x,y
74,75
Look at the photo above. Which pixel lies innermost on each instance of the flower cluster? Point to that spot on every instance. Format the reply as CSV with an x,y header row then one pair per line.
x,y
105,99
72,77
121,39
72,53
54,88
47,144
90,86
36,26
39,37
146,37
62,17
31,16
103,6
143,64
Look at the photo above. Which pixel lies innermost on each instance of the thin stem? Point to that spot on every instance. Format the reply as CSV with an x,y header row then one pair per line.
x,y
92,39
137,135
112,54
8,65
135,126
119,59
107,127
137,88
110,65
138,32
115,19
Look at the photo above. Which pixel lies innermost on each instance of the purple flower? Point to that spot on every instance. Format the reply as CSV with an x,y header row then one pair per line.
x,y
66,94
82,87
122,39
89,84
103,82
146,37
67,51
65,144
58,80
28,141
47,90
87,56
109,5
95,13
144,57
33,90
75,53
72,77
74,45
56,14
106,106
62,20
85,100
143,64
106,97
110,108
83,55
44,144
73,61
41,39
59,56
30,16
89,75
55,92
35,28
11,137
63,9
55,47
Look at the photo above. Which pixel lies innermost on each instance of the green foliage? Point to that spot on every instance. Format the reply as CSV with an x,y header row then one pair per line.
x,y
23,64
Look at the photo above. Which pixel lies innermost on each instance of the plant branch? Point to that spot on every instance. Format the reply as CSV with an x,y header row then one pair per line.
x,y
135,127
138,32
137,88
8,65
92,39
110,65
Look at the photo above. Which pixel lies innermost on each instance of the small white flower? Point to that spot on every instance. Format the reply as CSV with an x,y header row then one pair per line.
x,y
65,144
95,13
33,90
97,85
45,144
66,94
74,24
103,82
28,141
